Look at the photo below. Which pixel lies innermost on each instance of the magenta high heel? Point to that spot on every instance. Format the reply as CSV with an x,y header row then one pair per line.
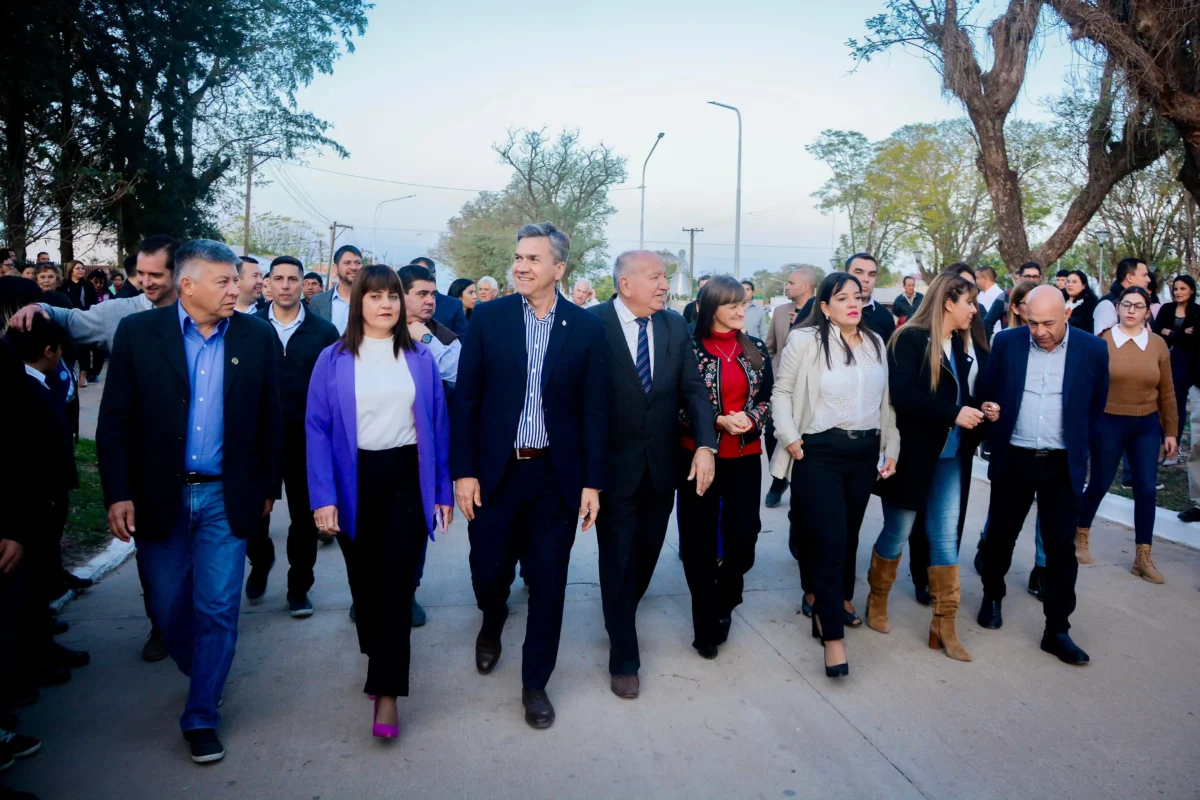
x,y
380,730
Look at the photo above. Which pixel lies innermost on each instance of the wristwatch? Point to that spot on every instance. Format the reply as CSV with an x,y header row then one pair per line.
x,y
427,338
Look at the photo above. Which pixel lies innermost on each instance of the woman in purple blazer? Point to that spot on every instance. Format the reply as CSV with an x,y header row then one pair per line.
x,y
379,472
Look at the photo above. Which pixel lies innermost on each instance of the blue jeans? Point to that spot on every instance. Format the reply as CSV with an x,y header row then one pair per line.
x,y
941,518
1137,437
195,579
1039,549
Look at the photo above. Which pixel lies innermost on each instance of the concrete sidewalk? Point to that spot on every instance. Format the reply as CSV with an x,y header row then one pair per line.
x,y
760,721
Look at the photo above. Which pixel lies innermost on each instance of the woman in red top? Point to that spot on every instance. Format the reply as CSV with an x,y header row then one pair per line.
x,y
737,371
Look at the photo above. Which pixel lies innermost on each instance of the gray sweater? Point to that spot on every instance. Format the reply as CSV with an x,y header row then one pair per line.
x,y
99,323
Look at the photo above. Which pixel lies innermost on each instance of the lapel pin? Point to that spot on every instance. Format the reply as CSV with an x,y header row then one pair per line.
x,y
235,359
564,323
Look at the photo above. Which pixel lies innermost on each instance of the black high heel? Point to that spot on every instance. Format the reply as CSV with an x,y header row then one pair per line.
x,y
838,670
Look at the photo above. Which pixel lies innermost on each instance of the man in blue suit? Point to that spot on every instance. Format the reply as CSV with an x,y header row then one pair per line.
x,y
529,450
1045,387
448,310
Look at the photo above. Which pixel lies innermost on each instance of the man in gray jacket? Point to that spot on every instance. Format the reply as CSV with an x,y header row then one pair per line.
x,y
334,305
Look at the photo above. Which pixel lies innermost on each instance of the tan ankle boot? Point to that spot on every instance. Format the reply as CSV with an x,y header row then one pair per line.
x,y
880,577
1144,568
945,589
1083,553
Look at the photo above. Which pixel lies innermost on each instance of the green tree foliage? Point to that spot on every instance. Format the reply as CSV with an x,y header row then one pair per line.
x,y
276,235
157,101
555,179
771,283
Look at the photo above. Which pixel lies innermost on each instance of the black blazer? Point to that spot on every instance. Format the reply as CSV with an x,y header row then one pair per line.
x,y
901,306
490,395
648,431
1163,326
1082,316
881,321
141,432
296,361
51,457
925,418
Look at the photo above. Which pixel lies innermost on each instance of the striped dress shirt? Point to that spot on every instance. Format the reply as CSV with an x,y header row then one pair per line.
x,y
531,429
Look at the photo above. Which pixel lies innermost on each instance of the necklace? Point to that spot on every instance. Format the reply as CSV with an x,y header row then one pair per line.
x,y
728,356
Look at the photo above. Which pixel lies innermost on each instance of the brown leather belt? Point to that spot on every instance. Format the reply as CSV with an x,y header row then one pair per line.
x,y
527,453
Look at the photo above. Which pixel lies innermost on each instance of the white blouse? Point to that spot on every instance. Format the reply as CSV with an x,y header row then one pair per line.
x,y
384,393
851,395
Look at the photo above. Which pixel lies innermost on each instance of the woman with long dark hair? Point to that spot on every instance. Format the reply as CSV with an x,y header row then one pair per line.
x,y
837,430
1176,323
82,296
1016,304
1141,413
933,362
464,289
737,371
379,473
1081,301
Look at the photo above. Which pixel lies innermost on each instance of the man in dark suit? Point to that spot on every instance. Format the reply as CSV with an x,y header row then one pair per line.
x,y
1050,384
652,373
300,336
188,480
447,310
909,300
529,442
878,318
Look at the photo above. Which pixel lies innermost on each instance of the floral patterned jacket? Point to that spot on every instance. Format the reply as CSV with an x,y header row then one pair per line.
x,y
758,403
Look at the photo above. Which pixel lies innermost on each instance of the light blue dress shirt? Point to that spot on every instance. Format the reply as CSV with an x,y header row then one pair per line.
x,y
206,412
1039,421
339,311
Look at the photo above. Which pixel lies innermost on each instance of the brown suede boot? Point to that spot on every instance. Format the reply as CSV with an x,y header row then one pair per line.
x,y
945,589
880,577
1144,568
1082,553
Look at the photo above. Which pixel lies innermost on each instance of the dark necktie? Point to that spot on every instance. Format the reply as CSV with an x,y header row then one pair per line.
x,y
643,355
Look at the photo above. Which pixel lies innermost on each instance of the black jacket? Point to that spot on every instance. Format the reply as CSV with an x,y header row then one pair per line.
x,y
648,432
880,320
297,360
141,433
902,308
82,294
803,313
1083,315
925,418
760,380
1164,322
52,456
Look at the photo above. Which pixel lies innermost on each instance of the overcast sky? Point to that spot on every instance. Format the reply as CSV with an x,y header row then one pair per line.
x,y
433,84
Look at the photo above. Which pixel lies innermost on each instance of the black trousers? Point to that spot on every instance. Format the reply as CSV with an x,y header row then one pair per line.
x,y
733,499
41,569
831,486
381,561
10,610
1044,475
629,532
526,518
302,532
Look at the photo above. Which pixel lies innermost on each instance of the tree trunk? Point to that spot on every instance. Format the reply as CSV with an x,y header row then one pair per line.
x,y
1004,188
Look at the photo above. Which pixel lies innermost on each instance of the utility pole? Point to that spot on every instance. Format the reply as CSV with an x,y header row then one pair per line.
x,y
333,234
692,254
249,184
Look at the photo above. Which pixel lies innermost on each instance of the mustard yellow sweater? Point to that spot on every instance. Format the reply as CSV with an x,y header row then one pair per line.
x,y
1140,382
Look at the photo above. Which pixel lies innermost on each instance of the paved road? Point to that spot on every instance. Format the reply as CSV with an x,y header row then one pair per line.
x,y
760,721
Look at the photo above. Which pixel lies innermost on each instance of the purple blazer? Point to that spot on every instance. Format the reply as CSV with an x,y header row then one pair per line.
x,y
332,429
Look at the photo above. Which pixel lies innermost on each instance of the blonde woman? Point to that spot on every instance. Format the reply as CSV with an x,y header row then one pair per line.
x,y
837,436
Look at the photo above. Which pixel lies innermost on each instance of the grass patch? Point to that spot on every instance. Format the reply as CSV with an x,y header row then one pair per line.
x,y
87,525
1173,495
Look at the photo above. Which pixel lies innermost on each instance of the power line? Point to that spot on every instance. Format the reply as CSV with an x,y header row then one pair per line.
x,y
304,206
730,244
386,180
299,187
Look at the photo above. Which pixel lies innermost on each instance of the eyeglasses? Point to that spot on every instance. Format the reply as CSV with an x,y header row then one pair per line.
x,y
1127,306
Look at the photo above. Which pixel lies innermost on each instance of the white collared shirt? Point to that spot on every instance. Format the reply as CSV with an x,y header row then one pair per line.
x,y
36,374
339,311
630,328
284,332
1142,340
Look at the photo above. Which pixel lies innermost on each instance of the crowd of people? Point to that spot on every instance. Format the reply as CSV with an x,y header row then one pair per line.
x,y
380,408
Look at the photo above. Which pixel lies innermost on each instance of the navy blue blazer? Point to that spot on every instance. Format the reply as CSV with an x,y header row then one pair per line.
x,y
448,311
490,395
1085,393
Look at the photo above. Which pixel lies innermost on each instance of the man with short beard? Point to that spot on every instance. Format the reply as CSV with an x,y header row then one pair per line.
x,y
334,305
250,287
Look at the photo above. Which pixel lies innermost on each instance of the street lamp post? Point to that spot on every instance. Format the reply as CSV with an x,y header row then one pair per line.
x,y
642,227
1102,237
375,227
737,227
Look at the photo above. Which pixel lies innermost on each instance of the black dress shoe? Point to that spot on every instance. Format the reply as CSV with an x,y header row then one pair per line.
x,y
155,648
989,614
66,657
1037,583
256,584
773,499
206,747
923,595
487,655
723,625
73,581
539,713
325,539
708,651
1060,645
1191,515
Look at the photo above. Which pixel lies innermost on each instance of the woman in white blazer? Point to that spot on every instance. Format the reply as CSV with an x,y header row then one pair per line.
x,y
837,430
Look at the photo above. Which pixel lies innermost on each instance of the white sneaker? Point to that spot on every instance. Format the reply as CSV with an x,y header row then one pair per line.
x,y
1171,462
